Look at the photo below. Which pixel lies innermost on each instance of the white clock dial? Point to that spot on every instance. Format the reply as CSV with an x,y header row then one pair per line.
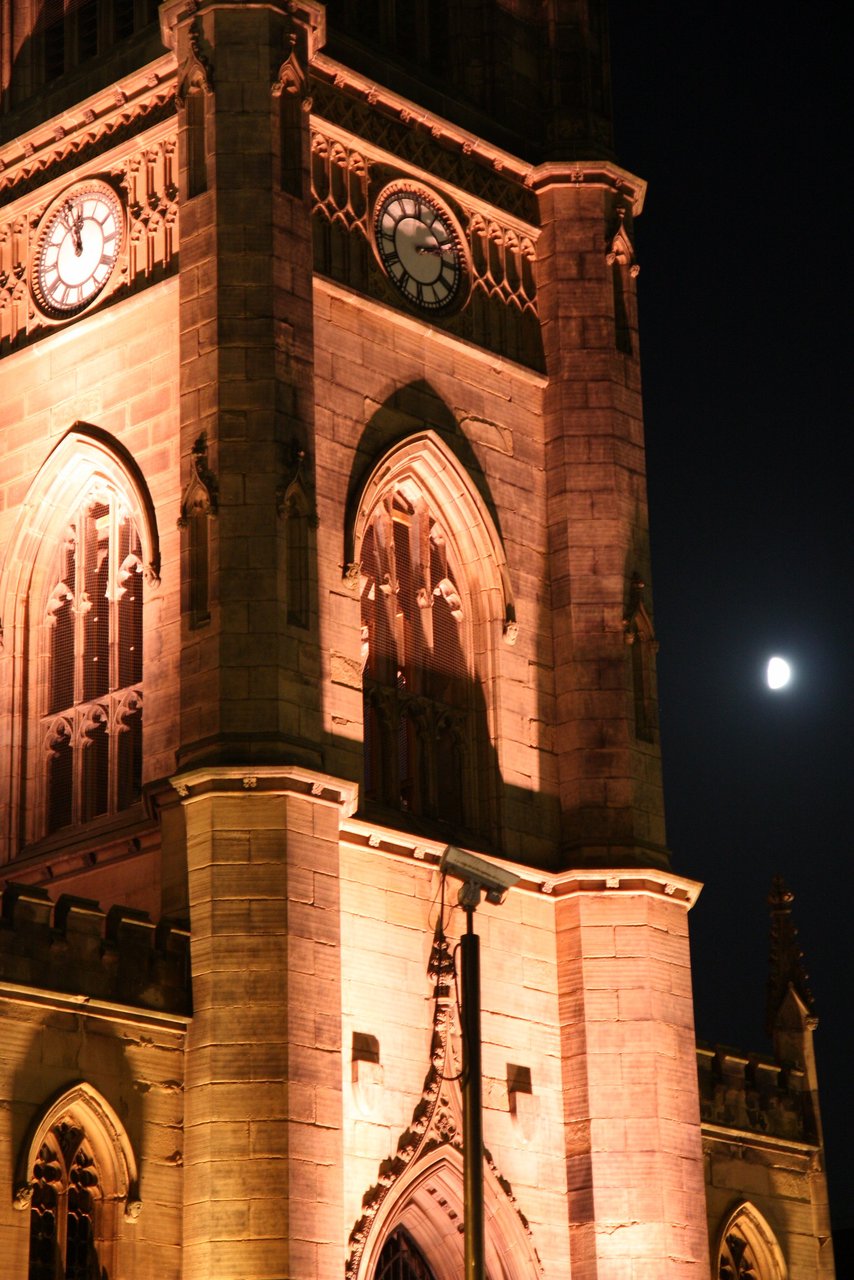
x,y
419,247
78,249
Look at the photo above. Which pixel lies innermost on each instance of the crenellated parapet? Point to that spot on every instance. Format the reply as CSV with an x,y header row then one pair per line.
x,y
754,1094
74,947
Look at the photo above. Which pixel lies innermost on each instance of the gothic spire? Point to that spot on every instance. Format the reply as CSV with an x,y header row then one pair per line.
x,y
786,958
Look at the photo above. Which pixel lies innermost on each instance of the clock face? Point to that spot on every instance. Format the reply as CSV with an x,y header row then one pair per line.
x,y
78,249
420,247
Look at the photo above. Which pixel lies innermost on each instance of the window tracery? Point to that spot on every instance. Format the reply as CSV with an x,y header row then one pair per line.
x,y
91,722
748,1249
63,1210
737,1261
423,552
416,668
76,1179
401,1259
71,597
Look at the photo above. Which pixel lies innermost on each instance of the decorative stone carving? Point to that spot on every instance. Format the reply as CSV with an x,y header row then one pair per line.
x,y
351,575
398,131
295,495
511,631
291,78
201,493
197,72
622,250
23,1197
437,1117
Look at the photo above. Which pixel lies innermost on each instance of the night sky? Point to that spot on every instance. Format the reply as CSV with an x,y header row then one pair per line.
x,y
733,114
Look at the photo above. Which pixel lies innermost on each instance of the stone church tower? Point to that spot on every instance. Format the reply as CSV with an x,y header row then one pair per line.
x,y
323,546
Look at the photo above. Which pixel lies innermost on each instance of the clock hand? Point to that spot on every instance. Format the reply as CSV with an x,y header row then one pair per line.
x,y
77,232
435,250
66,215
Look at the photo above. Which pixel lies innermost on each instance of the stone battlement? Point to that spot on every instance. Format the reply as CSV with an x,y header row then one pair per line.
x,y
74,947
754,1094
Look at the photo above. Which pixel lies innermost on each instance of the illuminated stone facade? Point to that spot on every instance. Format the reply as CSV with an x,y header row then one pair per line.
x,y
325,467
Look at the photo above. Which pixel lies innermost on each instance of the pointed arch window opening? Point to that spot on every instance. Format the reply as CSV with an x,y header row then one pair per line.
x,y
736,1260
65,1193
92,726
748,1248
401,1259
416,673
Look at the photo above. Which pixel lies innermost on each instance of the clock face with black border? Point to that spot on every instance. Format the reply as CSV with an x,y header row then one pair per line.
x,y
77,249
420,247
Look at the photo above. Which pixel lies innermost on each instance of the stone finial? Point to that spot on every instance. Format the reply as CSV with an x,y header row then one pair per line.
x,y
786,958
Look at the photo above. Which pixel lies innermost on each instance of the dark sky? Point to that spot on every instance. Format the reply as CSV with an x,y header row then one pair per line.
x,y
733,114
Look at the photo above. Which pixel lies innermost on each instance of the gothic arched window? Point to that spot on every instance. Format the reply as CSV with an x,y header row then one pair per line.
x,y
748,1249
65,1196
435,602
76,1179
401,1259
71,594
91,698
417,676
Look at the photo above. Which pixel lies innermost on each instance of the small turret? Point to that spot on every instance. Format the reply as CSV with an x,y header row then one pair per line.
x,y
790,1018
786,969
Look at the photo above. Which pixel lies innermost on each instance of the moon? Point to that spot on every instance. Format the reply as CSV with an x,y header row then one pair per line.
x,y
778,673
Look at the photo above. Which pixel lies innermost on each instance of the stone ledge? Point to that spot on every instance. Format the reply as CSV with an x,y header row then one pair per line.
x,y
249,780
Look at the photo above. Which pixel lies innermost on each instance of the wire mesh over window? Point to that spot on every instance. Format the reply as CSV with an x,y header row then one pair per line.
x,y
401,1259
63,1208
416,678
92,729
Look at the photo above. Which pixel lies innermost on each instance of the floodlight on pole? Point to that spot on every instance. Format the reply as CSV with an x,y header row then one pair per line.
x,y
478,877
